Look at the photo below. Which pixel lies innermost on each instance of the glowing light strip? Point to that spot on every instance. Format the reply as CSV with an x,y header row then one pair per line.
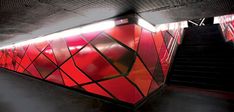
x,y
162,27
223,19
228,18
216,20
67,33
98,26
146,25
184,24
171,26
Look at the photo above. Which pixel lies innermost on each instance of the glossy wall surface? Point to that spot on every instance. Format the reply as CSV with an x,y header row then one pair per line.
x,y
227,25
125,63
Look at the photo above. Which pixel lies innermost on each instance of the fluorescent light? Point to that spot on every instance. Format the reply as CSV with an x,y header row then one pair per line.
x,y
146,25
161,27
184,24
67,33
98,26
216,20
171,26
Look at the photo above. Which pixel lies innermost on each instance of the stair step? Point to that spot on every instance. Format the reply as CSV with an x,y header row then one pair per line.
x,y
193,43
219,71
201,73
206,50
203,54
203,63
204,76
204,59
200,67
211,65
202,85
211,81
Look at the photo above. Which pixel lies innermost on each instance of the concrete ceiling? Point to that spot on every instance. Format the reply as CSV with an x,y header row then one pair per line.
x,y
25,19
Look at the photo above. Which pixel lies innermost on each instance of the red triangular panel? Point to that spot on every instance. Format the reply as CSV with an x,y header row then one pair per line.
x,y
17,59
55,77
140,76
44,65
20,69
20,53
60,50
122,89
70,69
154,86
147,50
10,53
121,57
48,52
25,47
94,88
124,34
90,36
1,53
137,36
34,71
93,64
16,66
32,52
25,61
67,80
158,39
26,72
41,45
75,43
9,62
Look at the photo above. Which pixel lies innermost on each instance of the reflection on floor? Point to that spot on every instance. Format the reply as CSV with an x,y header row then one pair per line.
x,y
20,93
186,99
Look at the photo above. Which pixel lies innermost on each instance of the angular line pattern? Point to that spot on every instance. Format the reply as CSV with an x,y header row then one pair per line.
x,y
227,27
125,63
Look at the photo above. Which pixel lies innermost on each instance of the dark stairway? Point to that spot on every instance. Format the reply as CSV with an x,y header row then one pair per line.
x,y
204,60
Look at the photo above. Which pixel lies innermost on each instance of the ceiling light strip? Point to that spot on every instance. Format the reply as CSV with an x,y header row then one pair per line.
x,y
67,33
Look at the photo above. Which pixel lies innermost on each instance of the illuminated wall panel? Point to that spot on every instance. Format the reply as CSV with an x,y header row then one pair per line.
x,y
227,24
124,63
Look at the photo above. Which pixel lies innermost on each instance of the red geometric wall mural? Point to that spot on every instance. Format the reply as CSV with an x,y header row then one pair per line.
x,y
125,63
227,25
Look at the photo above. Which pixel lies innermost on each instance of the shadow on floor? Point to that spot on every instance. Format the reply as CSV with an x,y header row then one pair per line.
x,y
19,93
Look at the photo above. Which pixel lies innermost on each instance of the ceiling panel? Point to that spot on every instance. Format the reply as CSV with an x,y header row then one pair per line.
x,y
24,19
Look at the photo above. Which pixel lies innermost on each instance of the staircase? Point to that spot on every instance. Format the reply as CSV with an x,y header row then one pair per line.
x,y
204,60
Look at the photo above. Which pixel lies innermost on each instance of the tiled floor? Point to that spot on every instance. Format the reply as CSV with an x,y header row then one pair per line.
x,y
20,93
